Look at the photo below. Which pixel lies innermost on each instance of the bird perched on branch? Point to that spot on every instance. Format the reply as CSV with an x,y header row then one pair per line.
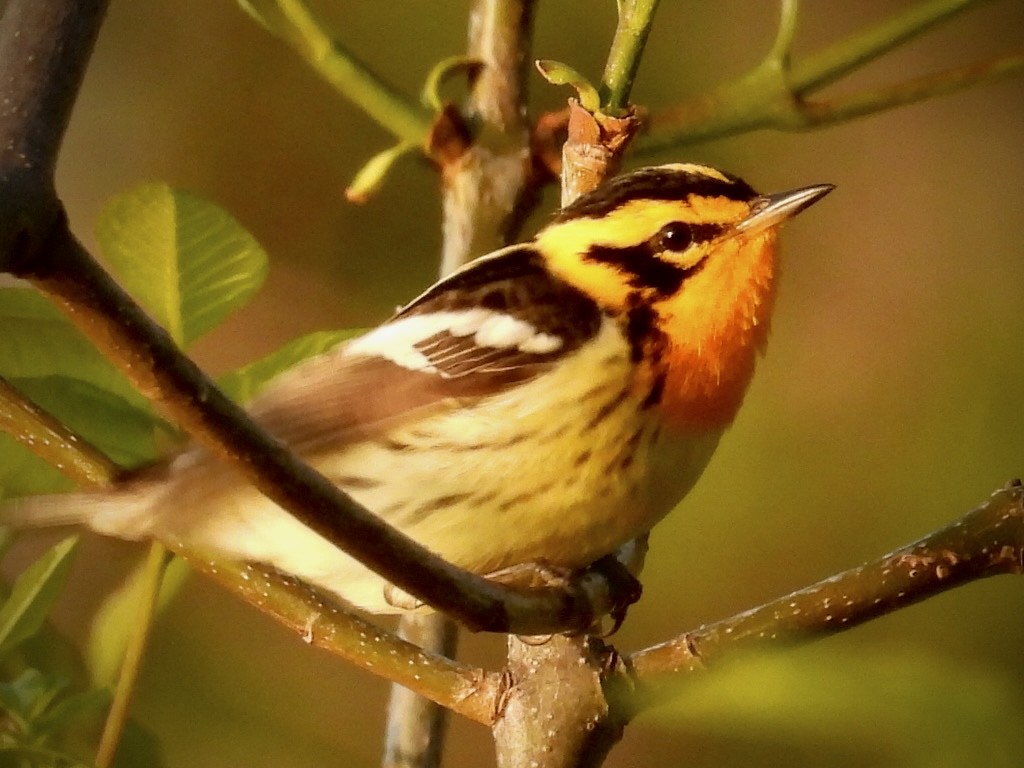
x,y
545,403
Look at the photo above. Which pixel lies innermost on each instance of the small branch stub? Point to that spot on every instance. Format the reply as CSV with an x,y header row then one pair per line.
x,y
594,148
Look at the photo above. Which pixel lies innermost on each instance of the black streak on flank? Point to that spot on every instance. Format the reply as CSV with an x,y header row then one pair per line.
x,y
653,184
607,409
641,327
645,270
657,390
424,510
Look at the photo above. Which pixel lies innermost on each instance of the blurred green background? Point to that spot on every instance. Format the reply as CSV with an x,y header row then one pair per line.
x,y
891,399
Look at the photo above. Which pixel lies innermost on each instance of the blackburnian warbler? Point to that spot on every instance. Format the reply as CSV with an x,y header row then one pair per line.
x,y
545,403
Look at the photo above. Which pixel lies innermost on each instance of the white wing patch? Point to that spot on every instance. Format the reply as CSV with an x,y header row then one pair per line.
x,y
397,341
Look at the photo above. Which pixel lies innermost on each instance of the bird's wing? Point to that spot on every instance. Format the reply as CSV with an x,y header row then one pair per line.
x,y
497,323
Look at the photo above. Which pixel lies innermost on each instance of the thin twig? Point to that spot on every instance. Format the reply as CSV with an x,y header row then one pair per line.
x,y
293,22
814,114
635,20
52,441
817,70
117,716
776,94
987,541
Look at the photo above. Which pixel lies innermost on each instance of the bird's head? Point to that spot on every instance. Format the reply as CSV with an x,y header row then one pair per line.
x,y
685,256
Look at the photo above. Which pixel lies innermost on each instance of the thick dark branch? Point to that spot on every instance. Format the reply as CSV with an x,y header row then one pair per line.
x,y
44,47
988,541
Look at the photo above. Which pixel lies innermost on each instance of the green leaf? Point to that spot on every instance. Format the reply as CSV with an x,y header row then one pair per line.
x,y
894,708
28,694
187,261
70,708
34,593
243,384
38,341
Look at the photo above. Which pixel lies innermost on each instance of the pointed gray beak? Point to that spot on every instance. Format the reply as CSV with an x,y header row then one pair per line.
x,y
771,210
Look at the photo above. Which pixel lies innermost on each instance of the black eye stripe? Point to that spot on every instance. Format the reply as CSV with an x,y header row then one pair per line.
x,y
703,233
640,266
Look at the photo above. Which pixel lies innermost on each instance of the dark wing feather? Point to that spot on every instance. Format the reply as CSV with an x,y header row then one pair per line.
x,y
338,398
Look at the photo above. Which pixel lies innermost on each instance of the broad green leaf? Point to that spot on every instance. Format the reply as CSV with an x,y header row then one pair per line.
x,y
900,708
242,385
34,593
187,261
38,341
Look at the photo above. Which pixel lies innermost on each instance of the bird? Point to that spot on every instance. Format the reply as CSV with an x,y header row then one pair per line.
x,y
545,403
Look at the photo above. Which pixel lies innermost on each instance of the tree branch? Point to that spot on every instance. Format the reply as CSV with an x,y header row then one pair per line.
x,y
854,51
53,442
294,23
44,48
482,187
635,20
987,541
775,94
814,114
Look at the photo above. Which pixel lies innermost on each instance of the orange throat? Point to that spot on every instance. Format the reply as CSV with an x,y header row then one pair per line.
x,y
714,345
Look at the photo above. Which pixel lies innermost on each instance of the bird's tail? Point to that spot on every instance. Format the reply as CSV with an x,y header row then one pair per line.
x,y
122,513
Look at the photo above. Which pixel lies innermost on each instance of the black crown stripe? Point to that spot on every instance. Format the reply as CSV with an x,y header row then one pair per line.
x,y
653,184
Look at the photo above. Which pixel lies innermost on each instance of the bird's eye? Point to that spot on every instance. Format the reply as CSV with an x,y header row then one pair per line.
x,y
675,236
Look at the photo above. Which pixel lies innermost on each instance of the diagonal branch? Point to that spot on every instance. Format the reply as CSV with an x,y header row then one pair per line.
x,y
854,51
53,442
294,23
813,114
776,94
987,541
